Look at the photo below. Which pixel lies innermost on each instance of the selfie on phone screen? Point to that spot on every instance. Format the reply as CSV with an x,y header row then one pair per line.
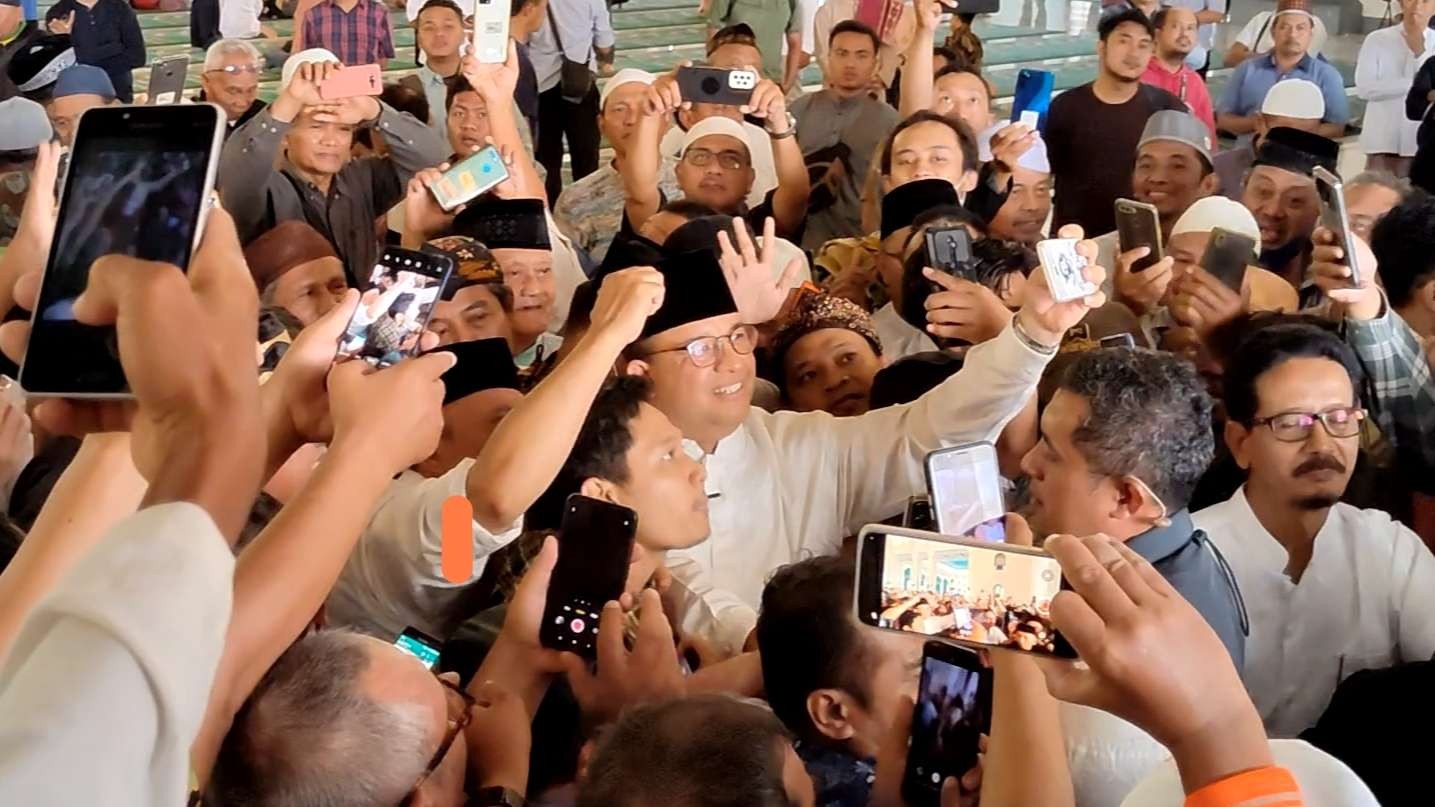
x,y
393,313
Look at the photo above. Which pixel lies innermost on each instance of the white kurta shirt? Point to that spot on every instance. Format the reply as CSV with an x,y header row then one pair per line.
x,y
793,485
1366,601
1384,72
899,340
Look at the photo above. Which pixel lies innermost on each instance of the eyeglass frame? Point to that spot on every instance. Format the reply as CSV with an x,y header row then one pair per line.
x,y
455,728
236,68
717,155
1358,415
717,340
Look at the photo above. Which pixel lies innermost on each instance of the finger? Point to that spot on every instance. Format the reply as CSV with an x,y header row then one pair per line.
x,y
1089,578
222,284
1018,532
611,652
653,624
1158,585
14,337
533,588
962,332
580,679
792,274
944,279
27,290
1121,571
1065,680
1071,231
951,792
769,239
1126,259
745,247
78,418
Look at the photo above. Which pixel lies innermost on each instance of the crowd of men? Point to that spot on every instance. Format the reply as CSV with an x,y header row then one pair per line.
x,y
730,323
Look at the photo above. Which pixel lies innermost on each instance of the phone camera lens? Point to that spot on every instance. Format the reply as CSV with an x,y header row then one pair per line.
x,y
711,86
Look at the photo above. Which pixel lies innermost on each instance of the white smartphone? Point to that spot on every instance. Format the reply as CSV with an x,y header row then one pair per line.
x,y
1062,265
490,30
965,484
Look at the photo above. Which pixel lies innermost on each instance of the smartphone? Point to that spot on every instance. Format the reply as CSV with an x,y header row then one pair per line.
x,y
490,30
1125,340
420,645
474,175
166,80
716,85
950,251
965,484
595,545
919,514
953,710
1139,225
139,184
395,308
970,592
349,82
274,342
1335,217
1032,94
1227,255
1062,265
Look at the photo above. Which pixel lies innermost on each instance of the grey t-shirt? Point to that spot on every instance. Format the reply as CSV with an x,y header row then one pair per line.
x,y
860,124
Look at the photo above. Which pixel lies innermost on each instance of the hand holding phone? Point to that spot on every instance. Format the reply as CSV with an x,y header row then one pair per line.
x,y
1064,269
351,82
1331,274
389,322
595,546
953,711
1227,256
490,31
716,85
966,489
472,177
1335,218
1139,225
1032,98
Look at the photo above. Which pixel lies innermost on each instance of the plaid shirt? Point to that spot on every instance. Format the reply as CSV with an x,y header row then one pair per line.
x,y
358,36
1401,378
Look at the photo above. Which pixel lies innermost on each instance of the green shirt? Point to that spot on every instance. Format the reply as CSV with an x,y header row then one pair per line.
x,y
770,21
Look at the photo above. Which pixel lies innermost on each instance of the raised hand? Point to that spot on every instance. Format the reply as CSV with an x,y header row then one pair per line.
x,y
1046,320
1141,291
493,81
963,309
625,301
1011,142
31,245
749,273
625,677
1333,276
298,386
499,738
371,406
664,96
769,103
1200,301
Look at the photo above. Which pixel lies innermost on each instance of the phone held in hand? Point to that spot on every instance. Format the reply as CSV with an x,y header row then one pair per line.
x,y
420,645
1063,267
965,486
716,85
394,310
490,30
139,184
166,80
352,82
953,711
1227,255
950,250
1335,217
918,515
969,592
1032,95
595,546
474,175
1139,225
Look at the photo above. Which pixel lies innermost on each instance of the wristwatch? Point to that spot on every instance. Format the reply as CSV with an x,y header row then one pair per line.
x,y
497,797
783,135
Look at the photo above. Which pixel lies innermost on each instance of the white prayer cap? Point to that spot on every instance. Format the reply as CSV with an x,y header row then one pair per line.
x,y
1218,211
291,65
716,125
1033,159
628,75
1294,98
1324,780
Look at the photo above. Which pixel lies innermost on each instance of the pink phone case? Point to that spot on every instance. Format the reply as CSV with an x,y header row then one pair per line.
x,y
348,82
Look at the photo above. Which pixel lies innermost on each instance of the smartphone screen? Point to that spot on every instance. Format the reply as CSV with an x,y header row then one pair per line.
x,y
1032,94
476,174
954,708
420,645
595,546
970,592
1334,217
137,185
950,250
1139,225
349,82
965,485
1226,257
393,312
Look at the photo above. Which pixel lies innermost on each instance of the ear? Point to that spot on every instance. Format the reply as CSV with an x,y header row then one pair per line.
x,y
831,712
886,183
1237,436
638,367
1424,296
595,488
968,183
1210,184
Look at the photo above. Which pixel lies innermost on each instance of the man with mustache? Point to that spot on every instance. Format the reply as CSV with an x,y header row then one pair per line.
x,y
1168,69
1330,589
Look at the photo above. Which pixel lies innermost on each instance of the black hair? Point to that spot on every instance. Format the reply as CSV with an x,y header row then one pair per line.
x,y
807,639
19,157
965,139
1149,415
739,33
518,6
600,450
1269,341
1404,245
433,4
457,85
1158,20
1110,23
952,69
948,54
402,97
855,27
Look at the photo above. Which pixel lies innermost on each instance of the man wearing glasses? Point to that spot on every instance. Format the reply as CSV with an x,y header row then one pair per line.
x,y
1331,589
231,79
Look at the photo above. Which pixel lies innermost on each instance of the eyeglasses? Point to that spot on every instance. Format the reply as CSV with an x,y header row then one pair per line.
x,y
233,69
704,350
701,158
454,698
1296,427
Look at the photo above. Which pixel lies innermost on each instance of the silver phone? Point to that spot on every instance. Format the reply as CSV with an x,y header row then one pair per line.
x,y
490,30
1335,217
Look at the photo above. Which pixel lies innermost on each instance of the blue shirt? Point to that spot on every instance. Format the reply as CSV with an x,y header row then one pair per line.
x,y
1254,78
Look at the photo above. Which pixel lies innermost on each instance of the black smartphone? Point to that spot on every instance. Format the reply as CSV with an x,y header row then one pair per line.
x,y
1227,255
420,645
919,514
954,708
395,309
950,250
138,184
595,545
166,80
716,85
1125,340
965,484
1139,225
1335,217
971,592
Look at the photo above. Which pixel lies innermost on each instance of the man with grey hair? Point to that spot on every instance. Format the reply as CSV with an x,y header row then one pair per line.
x,y
1370,195
1124,441
231,79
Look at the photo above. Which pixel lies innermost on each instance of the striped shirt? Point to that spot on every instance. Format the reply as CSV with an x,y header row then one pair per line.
x,y
358,36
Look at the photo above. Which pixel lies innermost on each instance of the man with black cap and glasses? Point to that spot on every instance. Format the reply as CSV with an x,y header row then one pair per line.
x,y
1280,190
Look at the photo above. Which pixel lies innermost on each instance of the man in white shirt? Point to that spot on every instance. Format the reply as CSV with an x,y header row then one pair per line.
x,y
1384,72
1331,589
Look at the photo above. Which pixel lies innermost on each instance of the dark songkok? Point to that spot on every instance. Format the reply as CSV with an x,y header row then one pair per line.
x,y
696,289
816,312
1297,151
290,243
482,364
35,67
700,233
628,251
473,264
505,224
902,204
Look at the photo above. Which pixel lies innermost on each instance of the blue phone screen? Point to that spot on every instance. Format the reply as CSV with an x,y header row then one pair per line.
x,y
417,648
1033,93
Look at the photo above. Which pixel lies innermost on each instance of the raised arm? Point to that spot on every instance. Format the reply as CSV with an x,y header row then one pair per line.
x,y
640,177
789,200
916,71
496,84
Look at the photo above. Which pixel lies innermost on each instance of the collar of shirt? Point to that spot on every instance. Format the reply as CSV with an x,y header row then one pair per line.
x,y
1305,65
293,170
1159,543
1157,64
428,76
